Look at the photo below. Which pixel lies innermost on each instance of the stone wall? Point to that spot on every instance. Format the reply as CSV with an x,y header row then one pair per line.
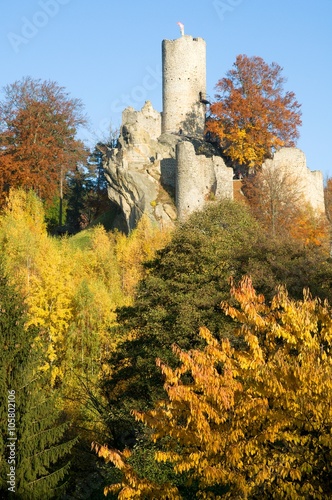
x,y
165,178
184,81
147,119
294,163
156,169
199,179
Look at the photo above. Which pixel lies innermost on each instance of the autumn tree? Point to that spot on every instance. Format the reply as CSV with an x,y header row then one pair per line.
x,y
38,125
246,423
275,197
182,290
253,116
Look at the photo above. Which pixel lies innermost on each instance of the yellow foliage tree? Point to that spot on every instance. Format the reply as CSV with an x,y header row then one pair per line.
x,y
310,228
36,265
253,422
22,234
49,301
137,248
95,275
133,486
241,150
72,290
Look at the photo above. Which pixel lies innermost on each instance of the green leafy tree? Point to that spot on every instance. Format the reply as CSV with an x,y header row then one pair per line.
x,y
96,166
36,432
78,188
86,194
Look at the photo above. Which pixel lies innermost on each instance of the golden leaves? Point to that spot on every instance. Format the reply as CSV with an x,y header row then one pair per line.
x,y
255,420
132,486
72,286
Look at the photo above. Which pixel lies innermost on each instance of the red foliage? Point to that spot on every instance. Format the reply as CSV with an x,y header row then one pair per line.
x,y
38,124
253,116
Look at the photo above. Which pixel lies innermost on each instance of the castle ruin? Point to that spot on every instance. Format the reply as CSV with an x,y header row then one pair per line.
x,y
163,166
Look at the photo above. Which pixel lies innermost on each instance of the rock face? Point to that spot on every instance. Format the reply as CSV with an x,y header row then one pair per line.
x,y
134,169
293,162
161,174
162,165
168,176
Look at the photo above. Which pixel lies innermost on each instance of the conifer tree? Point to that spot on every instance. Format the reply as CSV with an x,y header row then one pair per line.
x,y
34,462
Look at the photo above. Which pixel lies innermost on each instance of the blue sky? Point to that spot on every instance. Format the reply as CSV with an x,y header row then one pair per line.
x,y
108,53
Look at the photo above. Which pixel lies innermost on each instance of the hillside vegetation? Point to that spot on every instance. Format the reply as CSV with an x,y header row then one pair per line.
x,y
102,307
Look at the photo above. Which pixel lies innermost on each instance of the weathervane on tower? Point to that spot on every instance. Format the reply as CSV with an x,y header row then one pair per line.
x,y
181,26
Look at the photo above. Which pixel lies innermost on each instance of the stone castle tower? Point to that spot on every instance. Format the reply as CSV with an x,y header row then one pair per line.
x,y
184,85
163,167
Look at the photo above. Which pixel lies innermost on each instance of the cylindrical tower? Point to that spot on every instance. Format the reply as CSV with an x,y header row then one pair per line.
x,y
184,85
190,179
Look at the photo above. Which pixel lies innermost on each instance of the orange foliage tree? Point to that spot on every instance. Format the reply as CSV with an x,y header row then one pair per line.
x,y
38,124
253,115
275,196
252,422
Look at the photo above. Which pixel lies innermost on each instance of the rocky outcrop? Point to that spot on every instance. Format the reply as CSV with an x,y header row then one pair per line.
x,y
164,168
140,171
167,176
292,162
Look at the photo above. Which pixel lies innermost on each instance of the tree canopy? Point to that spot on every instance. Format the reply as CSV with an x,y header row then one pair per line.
x,y
38,144
182,291
253,115
246,423
275,196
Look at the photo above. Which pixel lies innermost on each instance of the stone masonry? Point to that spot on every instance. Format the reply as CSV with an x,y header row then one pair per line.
x,y
155,169
292,161
184,85
209,179
161,176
